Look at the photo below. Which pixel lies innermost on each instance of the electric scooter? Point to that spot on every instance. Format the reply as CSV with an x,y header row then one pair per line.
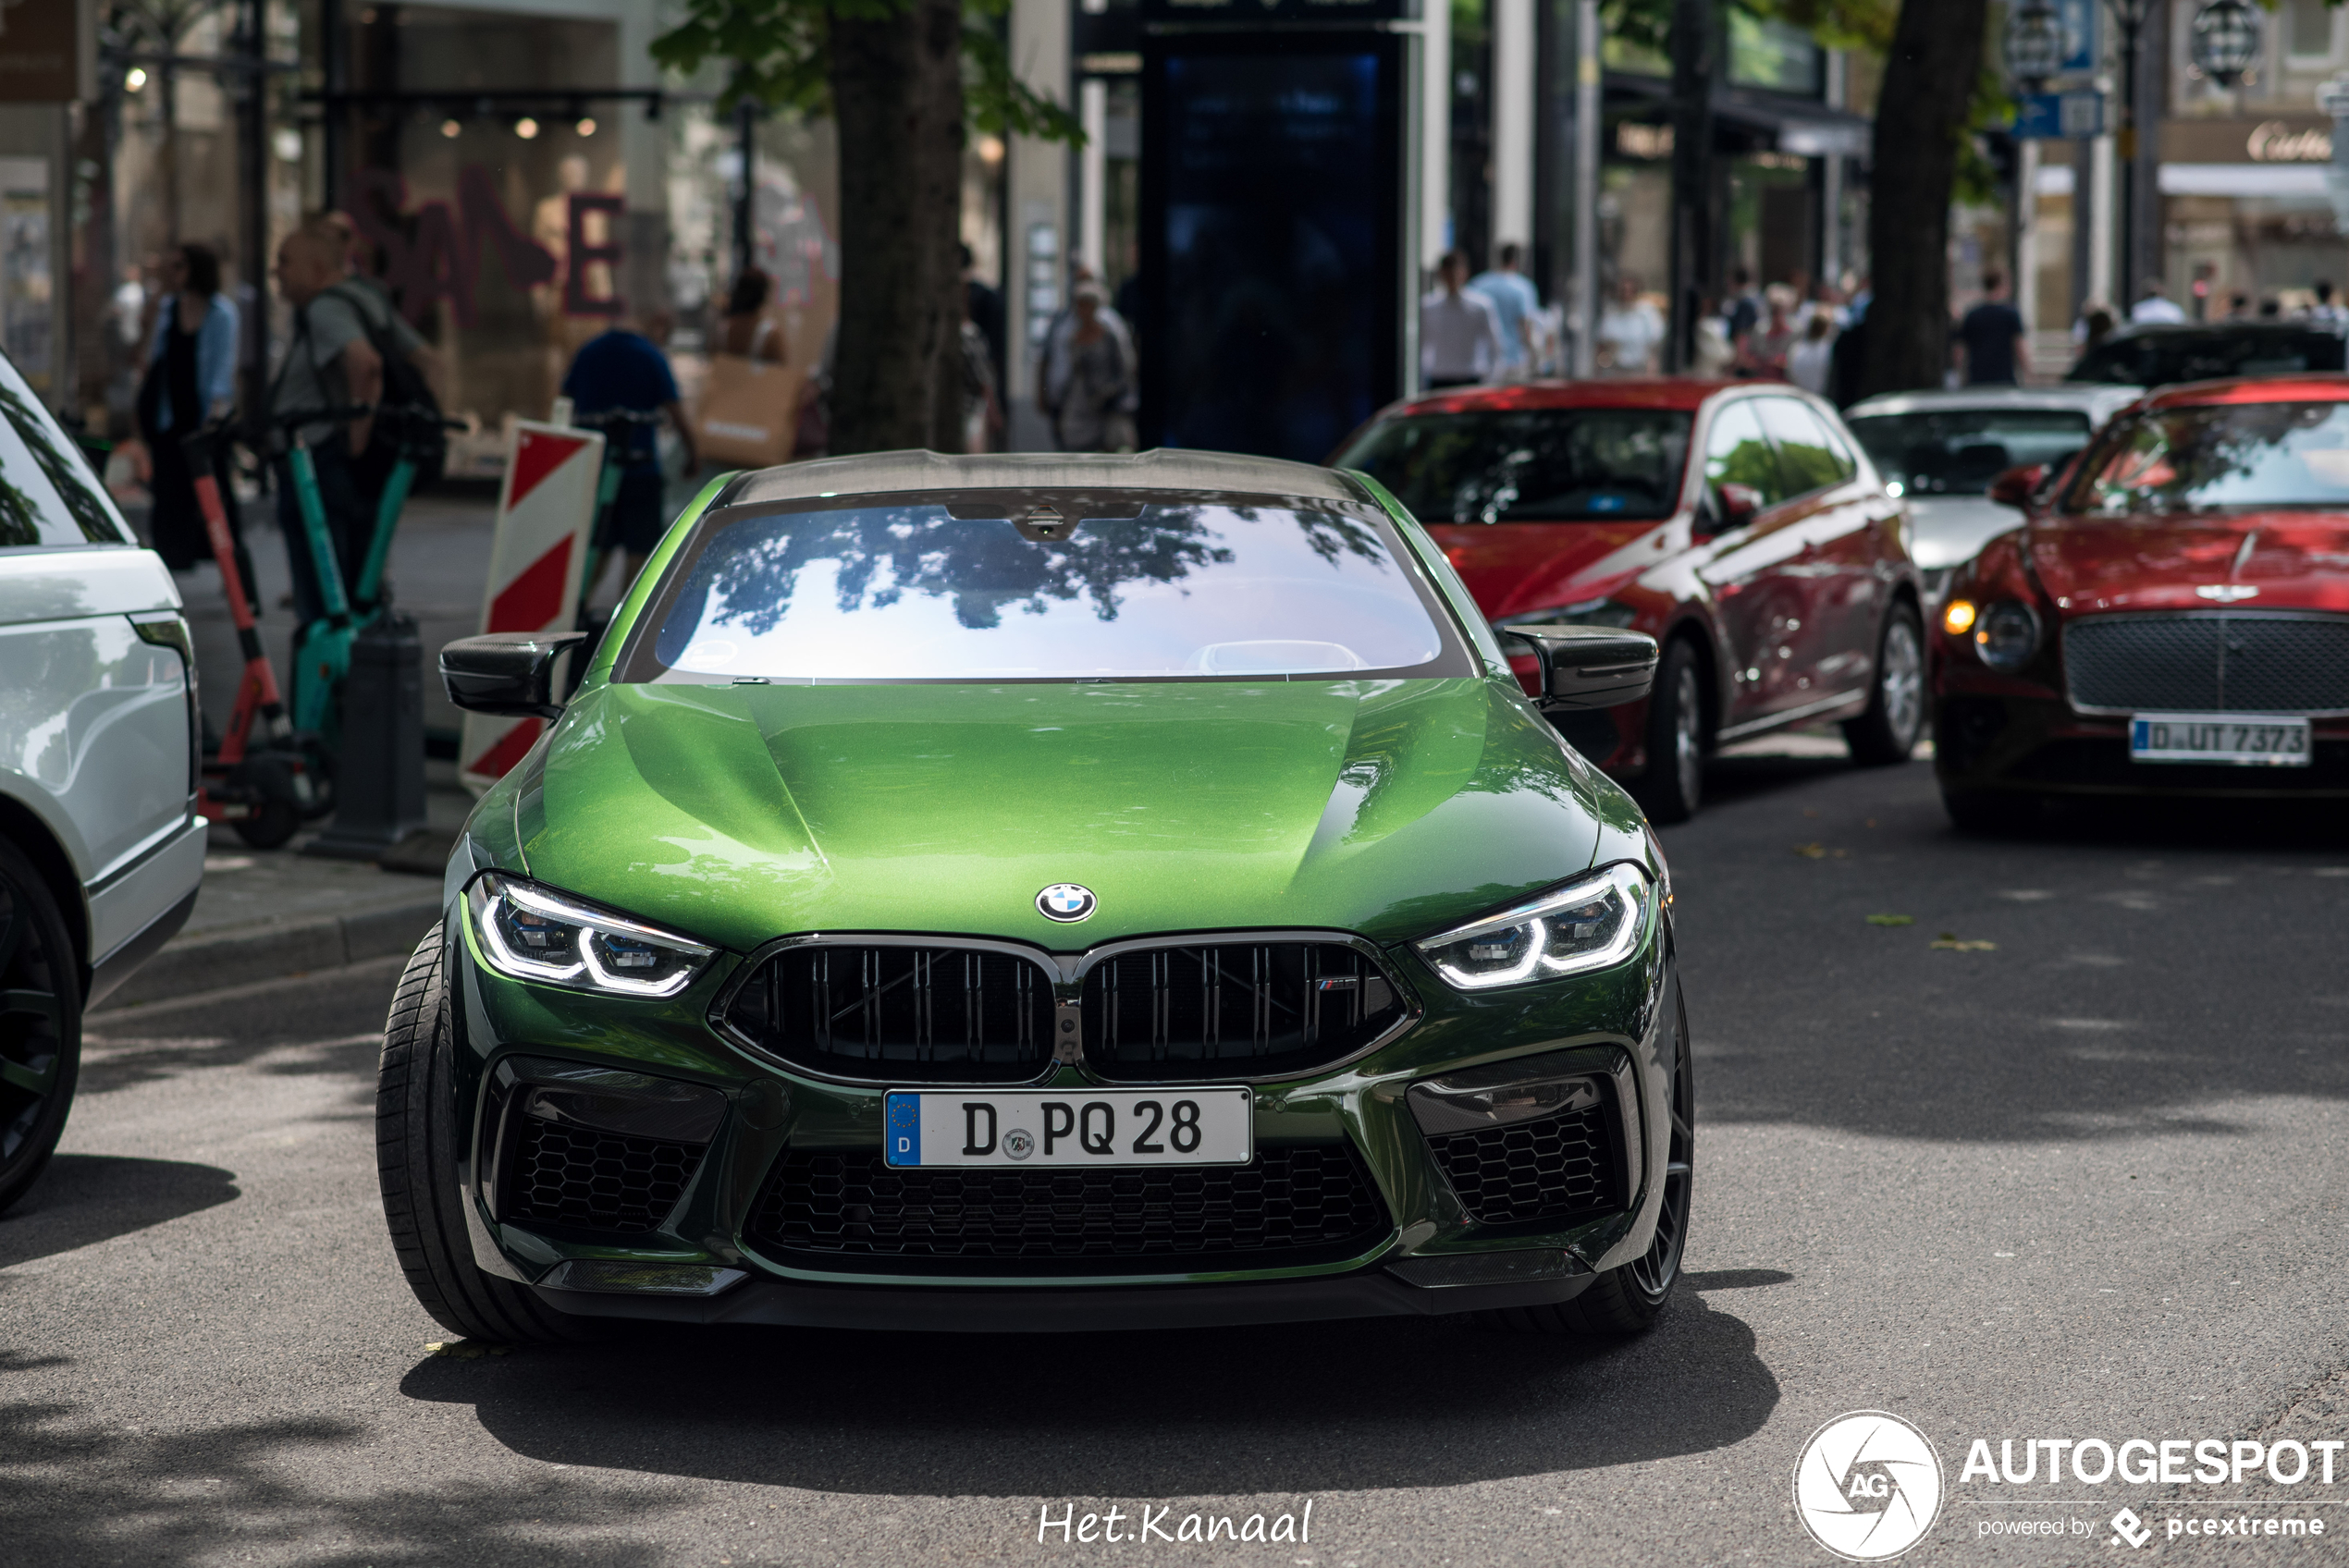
x,y
259,779
614,424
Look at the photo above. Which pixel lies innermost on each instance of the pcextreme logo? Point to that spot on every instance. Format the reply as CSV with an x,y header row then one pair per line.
x,y
1868,1486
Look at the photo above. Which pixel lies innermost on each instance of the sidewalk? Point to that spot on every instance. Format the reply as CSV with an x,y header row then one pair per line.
x,y
263,915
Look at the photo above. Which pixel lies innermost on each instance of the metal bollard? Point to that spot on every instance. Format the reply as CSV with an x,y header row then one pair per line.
x,y
379,779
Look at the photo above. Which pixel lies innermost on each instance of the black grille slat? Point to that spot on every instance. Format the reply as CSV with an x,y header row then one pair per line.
x,y
1545,1170
2213,663
1189,1012
1292,1203
901,1014
591,1180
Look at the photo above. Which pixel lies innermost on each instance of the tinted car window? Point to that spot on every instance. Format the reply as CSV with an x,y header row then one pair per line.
x,y
1529,465
2232,455
1959,451
1735,453
2157,359
1805,456
1187,586
48,494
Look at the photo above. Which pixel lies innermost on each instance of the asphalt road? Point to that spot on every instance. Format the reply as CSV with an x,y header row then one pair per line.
x,y
2086,1184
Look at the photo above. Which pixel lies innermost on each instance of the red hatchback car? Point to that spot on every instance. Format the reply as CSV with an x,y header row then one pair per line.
x,y
2172,616
1773,569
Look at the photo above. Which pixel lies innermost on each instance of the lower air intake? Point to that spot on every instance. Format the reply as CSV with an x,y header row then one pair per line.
x,y
1559,1168
590,1180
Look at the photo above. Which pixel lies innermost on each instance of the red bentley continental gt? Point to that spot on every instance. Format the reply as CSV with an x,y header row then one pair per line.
x,y
1737,523
2172,616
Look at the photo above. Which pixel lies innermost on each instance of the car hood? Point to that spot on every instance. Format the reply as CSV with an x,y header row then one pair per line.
x,y
2293,559
1514,567
1947,531
741,814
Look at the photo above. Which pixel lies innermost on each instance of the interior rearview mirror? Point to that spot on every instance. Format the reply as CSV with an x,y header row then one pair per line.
x,y
2013,487
1590,666
511,673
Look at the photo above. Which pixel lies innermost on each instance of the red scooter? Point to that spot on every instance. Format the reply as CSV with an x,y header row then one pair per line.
x,y
260,781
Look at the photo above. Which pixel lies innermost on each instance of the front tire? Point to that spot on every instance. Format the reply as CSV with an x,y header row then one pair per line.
x,y
1628,1298
40,1024
1887,732
1673,786
418,1134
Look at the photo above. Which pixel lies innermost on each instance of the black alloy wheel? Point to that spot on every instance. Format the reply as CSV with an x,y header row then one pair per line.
x,y
1628,1298
1673,786
418,1134
40,1024
1887,732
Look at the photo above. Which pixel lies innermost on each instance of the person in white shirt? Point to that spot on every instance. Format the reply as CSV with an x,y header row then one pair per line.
x,y
1461,342
1811,362
2157,305
1630,331
2324,309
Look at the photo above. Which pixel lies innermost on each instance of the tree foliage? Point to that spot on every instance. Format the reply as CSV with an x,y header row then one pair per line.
x,y
779,55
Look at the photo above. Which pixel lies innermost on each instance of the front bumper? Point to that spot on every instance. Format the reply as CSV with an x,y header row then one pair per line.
x,y
2020,741
1430,1255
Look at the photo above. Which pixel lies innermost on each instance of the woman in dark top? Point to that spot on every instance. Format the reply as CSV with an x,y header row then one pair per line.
x,y
191,378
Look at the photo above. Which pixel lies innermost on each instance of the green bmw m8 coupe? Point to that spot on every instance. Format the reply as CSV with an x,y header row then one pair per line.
x,y
1033,893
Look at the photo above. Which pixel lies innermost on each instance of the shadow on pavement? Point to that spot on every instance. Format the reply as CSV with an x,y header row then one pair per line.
x,y
2151,967
1314,1408
80,1492
83,1199
319,1029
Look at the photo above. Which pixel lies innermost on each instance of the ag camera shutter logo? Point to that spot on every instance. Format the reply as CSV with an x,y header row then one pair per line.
x,y
1868,1486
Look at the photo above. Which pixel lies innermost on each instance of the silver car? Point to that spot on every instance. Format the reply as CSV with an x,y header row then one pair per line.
x,y
101,846
1942,450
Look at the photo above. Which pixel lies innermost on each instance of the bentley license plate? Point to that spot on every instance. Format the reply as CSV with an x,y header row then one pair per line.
x,y
1092,1127
2219,738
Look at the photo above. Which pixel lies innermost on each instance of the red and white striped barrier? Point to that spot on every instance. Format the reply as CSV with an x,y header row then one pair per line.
x,y
545,512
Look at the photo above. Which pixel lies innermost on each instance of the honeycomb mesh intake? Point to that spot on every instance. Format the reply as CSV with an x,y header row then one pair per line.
x,y
1291,1202
1553,1169
594,1180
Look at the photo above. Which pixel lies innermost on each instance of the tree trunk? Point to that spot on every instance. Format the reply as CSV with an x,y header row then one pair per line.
x,y
1920,117
897,92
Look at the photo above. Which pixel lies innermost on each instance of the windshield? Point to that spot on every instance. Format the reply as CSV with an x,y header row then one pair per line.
x,y
1959,451
1179,586
2234,455
1529,465
2159,359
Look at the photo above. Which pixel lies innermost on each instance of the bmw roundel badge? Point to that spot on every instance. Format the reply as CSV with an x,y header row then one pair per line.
x,y
1066,902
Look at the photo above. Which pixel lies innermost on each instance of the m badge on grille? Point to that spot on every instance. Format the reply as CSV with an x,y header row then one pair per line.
x,y
1065,903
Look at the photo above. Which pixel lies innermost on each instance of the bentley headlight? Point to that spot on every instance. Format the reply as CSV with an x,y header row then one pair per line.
x,y
1593,924
530,933
2006,635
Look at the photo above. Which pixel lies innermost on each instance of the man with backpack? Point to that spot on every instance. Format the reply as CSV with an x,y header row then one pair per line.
x,y
348,347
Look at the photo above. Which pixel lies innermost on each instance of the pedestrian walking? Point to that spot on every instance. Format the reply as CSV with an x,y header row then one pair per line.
x,y
1810,364
1098,370
1630,331
623,369
2324,309
1460,341
2156,305
191,381
1765,348
1517,309
746,330
1057,371
1989,339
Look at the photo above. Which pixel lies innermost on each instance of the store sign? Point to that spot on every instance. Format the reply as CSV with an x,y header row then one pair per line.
x,y
2058,116
2078,19
2278,139
43,51
435,251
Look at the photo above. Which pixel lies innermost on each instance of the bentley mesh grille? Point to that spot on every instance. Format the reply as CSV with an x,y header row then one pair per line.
x,y
1545,1171
906,1014
1185,1014
1293,1203
594,1181
2215,663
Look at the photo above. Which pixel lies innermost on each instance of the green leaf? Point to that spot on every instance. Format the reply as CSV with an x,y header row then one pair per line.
x,y
1892,920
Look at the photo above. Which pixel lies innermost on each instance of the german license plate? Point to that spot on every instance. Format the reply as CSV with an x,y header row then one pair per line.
x,y
2219,738
1089,1127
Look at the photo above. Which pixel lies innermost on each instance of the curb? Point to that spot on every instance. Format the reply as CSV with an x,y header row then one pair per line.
x,y
237,955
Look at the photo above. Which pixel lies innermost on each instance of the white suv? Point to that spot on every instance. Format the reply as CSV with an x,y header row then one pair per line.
x,y
100,752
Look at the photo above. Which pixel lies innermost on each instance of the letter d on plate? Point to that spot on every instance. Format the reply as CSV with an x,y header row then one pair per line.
x,y
902,1123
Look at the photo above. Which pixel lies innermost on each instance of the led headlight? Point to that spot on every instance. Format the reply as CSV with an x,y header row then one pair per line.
x,y
531,933
2006,635
1592,923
